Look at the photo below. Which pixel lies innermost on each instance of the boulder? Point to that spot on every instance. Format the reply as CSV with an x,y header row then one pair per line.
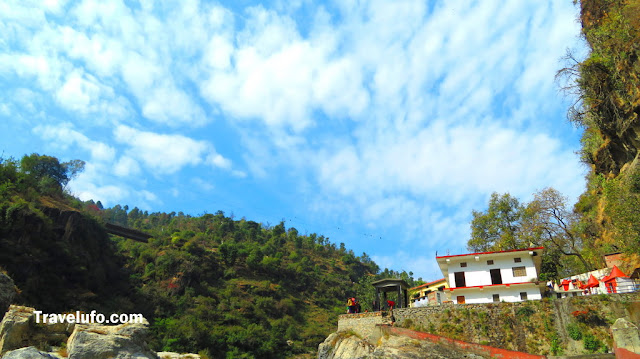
x,y
27,353
172,355
626,338
7,292
347,345
16,328
125,341
343,345
19,329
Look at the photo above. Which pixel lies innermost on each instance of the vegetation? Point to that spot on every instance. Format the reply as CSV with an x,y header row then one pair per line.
x,y
606,86
208,283
606,89
545,221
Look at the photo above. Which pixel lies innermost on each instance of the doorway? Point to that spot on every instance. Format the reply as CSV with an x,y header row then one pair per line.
x,y
460,280
496,277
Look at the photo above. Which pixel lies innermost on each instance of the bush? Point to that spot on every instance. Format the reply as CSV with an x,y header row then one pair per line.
x,y
556,349
574,331
525,311
591,343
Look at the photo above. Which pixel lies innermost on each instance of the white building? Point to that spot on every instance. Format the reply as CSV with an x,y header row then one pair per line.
x,y
504,276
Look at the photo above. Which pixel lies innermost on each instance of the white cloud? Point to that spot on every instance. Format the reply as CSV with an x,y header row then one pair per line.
x,y
96,183
64,135
167,153
78,93
280,78
126,167
202,184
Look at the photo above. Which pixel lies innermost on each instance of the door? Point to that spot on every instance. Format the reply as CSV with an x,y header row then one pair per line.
x,y
460,299
496,277
460,281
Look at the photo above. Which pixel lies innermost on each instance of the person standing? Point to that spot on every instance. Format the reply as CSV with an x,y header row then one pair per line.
x,y
350,306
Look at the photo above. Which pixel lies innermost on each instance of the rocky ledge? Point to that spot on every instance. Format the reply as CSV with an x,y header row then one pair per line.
x,y
22,338
347,345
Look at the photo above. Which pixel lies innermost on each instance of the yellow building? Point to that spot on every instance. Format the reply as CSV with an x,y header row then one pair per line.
x,y
429,293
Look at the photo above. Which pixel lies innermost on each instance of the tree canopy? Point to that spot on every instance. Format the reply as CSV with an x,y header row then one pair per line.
x,y
545,221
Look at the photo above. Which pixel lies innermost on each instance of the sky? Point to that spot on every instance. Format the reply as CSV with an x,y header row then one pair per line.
x,y
378,124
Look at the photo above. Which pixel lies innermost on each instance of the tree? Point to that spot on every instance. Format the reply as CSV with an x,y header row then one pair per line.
x,y
548,222
545,221
498,227
42,166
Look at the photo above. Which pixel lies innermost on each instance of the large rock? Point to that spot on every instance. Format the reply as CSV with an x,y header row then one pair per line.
x,y
346,345
626,338
19,329
16,328
343,345
7,292
172,355
125,341
27,353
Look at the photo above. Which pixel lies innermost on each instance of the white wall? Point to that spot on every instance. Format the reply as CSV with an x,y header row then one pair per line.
x,y
507,294
477,272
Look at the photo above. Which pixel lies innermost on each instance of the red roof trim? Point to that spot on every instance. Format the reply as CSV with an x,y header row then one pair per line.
x,y
428,284
490,285
507,251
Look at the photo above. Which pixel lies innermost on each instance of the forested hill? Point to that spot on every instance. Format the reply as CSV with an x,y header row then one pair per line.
x,y
210,283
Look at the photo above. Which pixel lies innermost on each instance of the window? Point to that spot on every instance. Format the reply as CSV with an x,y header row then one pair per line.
x,y
496,298
463,264
490,262
523,295
519,272
517,260
460,299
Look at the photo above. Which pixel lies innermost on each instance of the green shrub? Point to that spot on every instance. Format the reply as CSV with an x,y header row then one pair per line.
x,y
556,348
591,343
574,331
525,311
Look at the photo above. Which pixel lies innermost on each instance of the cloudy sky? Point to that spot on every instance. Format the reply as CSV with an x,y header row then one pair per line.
x,y
380,124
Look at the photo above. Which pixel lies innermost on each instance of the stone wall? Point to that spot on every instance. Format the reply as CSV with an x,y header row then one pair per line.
x,y
364,324
536,326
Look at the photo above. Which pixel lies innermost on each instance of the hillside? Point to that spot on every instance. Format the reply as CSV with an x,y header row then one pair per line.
x,y
210,283
607,83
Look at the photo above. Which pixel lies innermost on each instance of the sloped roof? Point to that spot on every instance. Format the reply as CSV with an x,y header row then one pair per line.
x,y
615,273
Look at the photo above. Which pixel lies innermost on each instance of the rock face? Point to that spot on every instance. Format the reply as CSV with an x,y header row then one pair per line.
x,y
7,292
19,333
171,355
15,329
343,345
125,341
27,353
626,337
18,329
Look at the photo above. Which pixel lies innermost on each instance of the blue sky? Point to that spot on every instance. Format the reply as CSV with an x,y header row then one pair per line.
x,y
380,124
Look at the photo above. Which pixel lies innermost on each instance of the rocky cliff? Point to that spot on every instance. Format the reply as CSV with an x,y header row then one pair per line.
x,y
607,86
61,259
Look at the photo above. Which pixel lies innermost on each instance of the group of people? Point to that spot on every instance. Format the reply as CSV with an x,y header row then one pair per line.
x,y
353,306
